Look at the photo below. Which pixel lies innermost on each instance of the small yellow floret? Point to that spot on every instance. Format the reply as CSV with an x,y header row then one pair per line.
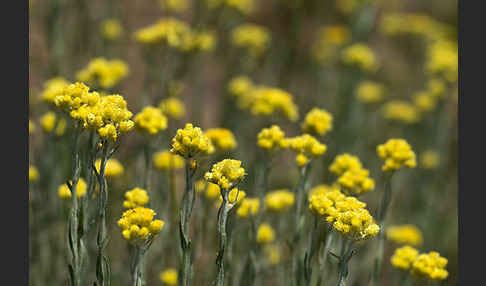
x,y
172,108
33,173
307,147
279,200
404,257
190,142
221,138
164,160
370,92
136,197
150,120
113,167
265,234
430,159
226,173
404,234
317,122
272,139
361,56
430,266
249,206
397,154
169,277
65,193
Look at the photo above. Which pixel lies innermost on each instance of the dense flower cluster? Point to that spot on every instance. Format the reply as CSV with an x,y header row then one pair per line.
x,y
361,56
190,142
429,159
221,138
49,123
139,226
65,193
329,39
397,154
401,111
442,60
169,277
33,173
249,206
353,178
165,161
103,73
404,234
430,266
404,257
279,200
111,29
307,147
254,38
150,120
265,100
136,197
272,139
172,108
211,191
370,92
317,122
265,234
240,86
424,101
113,167
53,88
344,162
245,7
226,173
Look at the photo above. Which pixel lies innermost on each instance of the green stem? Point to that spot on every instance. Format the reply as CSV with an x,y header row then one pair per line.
x,y
347,252
313,242
184,218
323,259
223,237
137,277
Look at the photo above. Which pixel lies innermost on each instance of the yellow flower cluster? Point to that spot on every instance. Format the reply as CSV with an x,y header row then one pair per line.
x,y
370,92
232,197
404,234
361,56
172,108
249,206
65,193
212,191
404,257
442,60
113,167
111,29
279,200
221,138
401,111
356,182
272,139
430,159
33,173
138,225
430,266
49,123
424,101
254,38
190,142
317,122
165,161
329,39
53,88
174,5
265,234
396,153
264,100
345,162
240,86
306,146
103,73
106,114
245,7
321,189
226,173
135,198
169,277
150,120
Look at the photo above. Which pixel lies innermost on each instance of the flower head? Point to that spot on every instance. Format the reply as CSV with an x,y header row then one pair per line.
x,y
190,142
361,56
307,147
430,159
165,161
240,85
266,101
356,182
404,234
49,123
265,234
139,226
370,92
150,120
52,88
104,73
401,111
249,206
65,193
317,122
113,167
397,154
111,29
279,200
221,138
252,37
430,266
172,108
424,101
226,174
235,197
33,173
136,197
272,139
169,277
343,163
404,257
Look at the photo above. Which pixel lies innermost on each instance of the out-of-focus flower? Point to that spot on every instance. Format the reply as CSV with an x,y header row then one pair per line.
x,y
111,29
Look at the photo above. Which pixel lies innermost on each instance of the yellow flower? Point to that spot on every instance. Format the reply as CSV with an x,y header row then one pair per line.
x,y
177,6
317,122
249,206
111,29
424,101
355,182
213,192
401,111
164,161
404,257
138,225
343,163
169,277
329,39
430,266
430,159
166,31
31,127
267,101
404,234
272,253
279,200
272,139
369,92
307,147
397,154
136,197
221,138
103,73
52,88
361,56
172,107
226,173
436,87
113,167
253,37
442,60
150,120
190,142
232,197
33,173
265,234
65,193
48,121
240,86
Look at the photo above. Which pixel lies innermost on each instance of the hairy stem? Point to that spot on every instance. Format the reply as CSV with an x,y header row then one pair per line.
x,y
184,218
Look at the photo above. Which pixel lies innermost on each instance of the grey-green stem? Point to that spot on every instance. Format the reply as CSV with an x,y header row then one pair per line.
x,y
184,218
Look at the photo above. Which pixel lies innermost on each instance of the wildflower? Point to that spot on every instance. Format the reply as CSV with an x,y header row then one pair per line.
x,y
361,56
356,182
113,167
272,139
232,197
33,173
139,226
226,173
136,197
430,159
306,147
103,73
272,253
172,107
321,189
52,88
401,111
48,121
150,120
430,266
436,87
202,41
111,29
213,192
252,37
397,154
404,234
166,31
164,160
345,162
279,200
267,101
317,122
65,193
240,85
404,257
369,92
442,60
424,101
31,127
330,38
190,142
265,234
249,206
221,138
169,277
177,6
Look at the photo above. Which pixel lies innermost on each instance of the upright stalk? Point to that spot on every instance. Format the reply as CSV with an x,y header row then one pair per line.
x,y
323,258
184,218
137,278
347,251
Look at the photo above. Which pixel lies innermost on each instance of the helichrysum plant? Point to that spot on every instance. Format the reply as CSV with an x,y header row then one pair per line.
x,y
136,197
317,122
404,234
222,139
